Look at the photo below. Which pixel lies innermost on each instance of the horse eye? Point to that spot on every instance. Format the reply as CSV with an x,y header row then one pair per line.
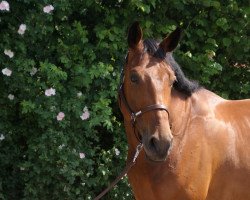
x,y
134,78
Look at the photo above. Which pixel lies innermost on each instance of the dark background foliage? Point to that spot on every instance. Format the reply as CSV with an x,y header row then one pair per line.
x,y
80,47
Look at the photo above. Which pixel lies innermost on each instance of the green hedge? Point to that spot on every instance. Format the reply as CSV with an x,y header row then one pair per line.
x,y
61,132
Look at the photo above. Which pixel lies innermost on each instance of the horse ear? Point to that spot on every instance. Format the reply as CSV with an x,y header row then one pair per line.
x,y
134,35
171,41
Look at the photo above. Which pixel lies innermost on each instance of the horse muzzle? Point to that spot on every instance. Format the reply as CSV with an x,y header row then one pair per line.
x,y
157,148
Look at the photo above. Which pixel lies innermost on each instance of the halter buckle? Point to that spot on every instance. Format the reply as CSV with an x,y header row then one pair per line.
x,y
134,116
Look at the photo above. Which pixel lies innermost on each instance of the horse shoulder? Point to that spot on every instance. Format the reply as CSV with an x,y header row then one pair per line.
x,y
233,172
225,124
236,114
224,127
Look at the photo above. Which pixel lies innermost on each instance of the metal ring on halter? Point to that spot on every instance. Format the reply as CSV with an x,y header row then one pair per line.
x,y
134,116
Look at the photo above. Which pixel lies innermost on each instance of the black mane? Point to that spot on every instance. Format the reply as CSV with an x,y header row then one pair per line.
x,y
182,83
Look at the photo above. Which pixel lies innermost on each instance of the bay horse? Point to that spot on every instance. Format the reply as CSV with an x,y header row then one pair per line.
x,y
196,145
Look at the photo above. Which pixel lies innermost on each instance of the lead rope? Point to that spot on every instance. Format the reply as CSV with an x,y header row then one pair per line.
x,y
123,173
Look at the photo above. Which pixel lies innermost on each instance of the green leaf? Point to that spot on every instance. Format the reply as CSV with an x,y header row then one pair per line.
x,y
226,41
27,106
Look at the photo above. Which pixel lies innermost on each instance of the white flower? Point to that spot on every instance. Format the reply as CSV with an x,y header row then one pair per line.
x,y
48,9
4,5
22,168
210,54
82,155
33,71
85,109
50,92
11,96
9,53
117,152
22,29
2,137
79,94
85,115
60,116
7,72
61,146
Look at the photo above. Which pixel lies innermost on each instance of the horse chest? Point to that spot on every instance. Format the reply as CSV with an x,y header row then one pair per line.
x,y
153,181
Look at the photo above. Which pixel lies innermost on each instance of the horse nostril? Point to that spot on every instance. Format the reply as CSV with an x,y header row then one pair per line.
x,y
159,146
153,143
156,148
140,137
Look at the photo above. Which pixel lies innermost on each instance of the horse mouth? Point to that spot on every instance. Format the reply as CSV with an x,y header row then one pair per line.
x,y
155,160
157,155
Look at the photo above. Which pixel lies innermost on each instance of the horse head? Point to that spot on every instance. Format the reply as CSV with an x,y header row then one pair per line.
x,y
146,90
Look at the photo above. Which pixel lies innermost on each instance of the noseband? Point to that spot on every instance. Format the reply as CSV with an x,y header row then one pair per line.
x,y
134,115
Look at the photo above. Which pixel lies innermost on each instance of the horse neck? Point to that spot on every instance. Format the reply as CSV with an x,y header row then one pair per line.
x,y
180,109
